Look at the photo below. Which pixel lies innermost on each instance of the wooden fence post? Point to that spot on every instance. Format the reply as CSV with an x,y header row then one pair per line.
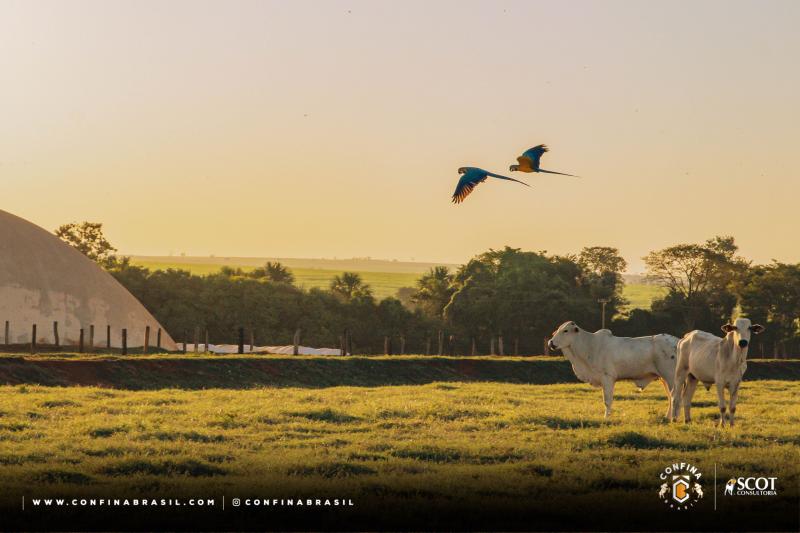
x,y
158,339
474,350
241,340
196,340
124,341
8,327
252,340
441,342
341,344
185,334
55,335
33,339
146,340
296,342
80,342
108,336
206,350
91,337
385,345
500,346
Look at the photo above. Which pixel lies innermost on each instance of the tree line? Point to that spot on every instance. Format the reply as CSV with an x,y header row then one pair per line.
x,y
501,301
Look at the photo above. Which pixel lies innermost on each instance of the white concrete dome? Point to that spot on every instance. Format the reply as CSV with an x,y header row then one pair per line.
x,y
44,280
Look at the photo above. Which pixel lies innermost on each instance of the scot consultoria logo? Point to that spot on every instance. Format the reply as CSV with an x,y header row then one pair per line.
x,y
751,486
680,486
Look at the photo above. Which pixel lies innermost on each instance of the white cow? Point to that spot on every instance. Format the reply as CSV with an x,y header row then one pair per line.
x,y
601,359
710,359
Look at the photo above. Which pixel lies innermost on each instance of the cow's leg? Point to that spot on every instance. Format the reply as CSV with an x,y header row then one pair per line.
x,y
734,392
688,393
608,393
721,399
668,390
678,389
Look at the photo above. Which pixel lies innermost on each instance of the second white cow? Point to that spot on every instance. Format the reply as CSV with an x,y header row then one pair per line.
x,y
707,358
601,359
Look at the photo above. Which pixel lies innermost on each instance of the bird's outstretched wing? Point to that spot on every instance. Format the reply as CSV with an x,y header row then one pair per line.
x,y
533,156
465,185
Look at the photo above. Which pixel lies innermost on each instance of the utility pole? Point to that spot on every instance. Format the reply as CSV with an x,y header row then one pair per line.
x,y
603,302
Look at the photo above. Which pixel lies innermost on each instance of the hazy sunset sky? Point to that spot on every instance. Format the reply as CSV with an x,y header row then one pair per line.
x,y
326,128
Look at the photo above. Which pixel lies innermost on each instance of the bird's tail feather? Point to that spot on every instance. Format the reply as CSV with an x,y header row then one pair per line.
x,y
559,173
507,178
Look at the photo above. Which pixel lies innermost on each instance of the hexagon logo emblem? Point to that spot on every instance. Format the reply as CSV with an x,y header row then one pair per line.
x,y
680,486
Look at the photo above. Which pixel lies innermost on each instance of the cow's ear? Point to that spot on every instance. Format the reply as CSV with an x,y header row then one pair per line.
x,y
727,328
576,329
756,328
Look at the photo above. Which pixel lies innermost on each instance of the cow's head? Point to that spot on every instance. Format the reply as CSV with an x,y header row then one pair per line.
x,y
741,331
563,336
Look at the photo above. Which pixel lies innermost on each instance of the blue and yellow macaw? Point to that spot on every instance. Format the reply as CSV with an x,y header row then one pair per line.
x,y
470,178
529,162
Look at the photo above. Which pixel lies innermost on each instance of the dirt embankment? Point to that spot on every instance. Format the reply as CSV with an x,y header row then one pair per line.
x,y
313,372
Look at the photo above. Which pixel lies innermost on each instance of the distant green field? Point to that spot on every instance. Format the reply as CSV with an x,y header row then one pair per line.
x,y
383,283
641,296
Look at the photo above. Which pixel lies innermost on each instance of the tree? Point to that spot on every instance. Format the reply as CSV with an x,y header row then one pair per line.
x,y
602,259
349,286
698,278
277,273
406,297
518,294
274,272
88,238
231,272
770,295
603,268
434,290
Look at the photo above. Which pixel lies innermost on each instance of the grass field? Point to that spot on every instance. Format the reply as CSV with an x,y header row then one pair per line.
x,y
311,273
507,436
640,295
439,441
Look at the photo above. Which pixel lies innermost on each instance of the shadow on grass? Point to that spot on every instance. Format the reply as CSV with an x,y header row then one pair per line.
x,y
639,441
188,467
555,422
326,415
62,476
331,470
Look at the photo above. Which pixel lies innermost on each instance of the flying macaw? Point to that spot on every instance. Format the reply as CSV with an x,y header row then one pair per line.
x,y
470,178
530,159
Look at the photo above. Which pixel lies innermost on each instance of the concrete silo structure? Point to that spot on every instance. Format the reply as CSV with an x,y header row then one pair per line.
x,y
44,280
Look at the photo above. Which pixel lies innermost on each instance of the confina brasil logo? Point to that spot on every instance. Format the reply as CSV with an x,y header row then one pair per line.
x,y
680,486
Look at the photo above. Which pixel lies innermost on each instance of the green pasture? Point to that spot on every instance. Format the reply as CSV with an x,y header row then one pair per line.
x,y
445,439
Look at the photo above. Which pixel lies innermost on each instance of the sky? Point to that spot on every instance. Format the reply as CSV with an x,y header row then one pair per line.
x,y
336,128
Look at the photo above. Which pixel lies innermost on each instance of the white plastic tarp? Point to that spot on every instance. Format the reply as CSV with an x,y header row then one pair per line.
x,y
281,350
